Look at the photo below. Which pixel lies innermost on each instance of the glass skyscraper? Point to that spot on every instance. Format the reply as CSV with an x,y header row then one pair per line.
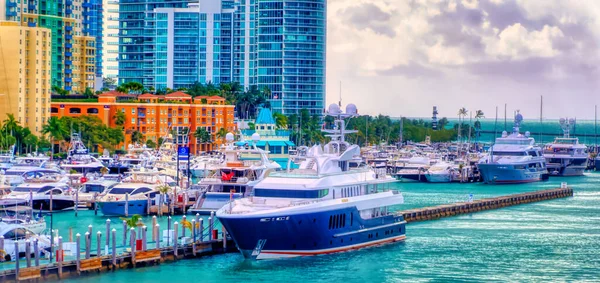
x,y
268,43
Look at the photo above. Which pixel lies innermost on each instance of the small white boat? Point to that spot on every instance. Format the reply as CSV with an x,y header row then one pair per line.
x,y
16,232
441,172
25,216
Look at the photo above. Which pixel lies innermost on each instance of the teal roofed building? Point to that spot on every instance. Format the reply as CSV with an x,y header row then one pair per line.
x,y
276,141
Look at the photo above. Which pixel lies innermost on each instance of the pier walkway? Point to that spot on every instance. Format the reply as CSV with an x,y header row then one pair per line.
x,y
448,210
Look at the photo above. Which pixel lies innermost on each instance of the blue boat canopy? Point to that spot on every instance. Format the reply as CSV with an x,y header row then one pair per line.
x,y
277,143
241,143
290,143
261,143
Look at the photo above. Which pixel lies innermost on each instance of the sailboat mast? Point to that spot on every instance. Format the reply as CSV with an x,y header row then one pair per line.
x,y
596,128
495,125
541,115
505,116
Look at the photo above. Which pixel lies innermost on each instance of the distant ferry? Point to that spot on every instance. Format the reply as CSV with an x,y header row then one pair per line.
x,y
323,207
513,159
566,156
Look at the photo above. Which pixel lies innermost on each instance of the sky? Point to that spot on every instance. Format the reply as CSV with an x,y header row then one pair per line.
x,y
402,57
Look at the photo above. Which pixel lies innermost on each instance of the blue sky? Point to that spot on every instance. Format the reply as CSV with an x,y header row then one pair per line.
x,y
401,57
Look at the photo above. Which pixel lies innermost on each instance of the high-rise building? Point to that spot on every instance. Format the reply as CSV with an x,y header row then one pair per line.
x,y
275,44
25,54
110,44
76,27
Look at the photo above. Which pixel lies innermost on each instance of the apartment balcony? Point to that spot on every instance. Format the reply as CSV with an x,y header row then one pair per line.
x,y
68,12
31,7
68,87
68,45
69,2
68,28
68,37
68,80
11,4
11,14
31,24
68,71
86,5
68,63
68,54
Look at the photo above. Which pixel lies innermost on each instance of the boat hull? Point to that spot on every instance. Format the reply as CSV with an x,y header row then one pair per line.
x,y
438,178
310,234
117,208
58,204
508,174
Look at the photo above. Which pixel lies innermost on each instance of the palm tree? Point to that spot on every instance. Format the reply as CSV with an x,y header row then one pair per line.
x,y
478,115
134,221
202,135
281,120
56,130
162,190
221,133
462,112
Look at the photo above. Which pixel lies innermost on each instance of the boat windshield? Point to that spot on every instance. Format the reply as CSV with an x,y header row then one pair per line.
x,y
17,234
93,188
141,190
290,193
25,189
121,191
510,153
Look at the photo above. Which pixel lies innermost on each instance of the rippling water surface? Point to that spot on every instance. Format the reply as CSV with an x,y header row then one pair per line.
x,y
556,240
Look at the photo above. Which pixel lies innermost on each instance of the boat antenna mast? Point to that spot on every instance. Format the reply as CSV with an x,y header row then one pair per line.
x,y
339,131
567,125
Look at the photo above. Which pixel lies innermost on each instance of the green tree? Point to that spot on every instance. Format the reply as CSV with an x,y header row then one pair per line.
x,y
56,90
30,141
136,137
89,93
202,135
119,118
56,130
150,144
281,121
221,133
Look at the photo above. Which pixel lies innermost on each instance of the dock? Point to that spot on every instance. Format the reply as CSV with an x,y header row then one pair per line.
x,y
455,209
139,247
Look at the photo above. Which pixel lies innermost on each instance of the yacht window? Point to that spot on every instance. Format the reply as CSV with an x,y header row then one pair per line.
x,y
290,193
121,191
141,190
533,153
56,192
45,189
509,153
25,189
89,188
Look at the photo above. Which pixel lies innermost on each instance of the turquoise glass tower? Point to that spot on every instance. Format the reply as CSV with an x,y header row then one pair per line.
x,y
274,44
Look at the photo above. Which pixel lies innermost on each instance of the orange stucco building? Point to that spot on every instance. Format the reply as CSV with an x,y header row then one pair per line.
x,y
156,115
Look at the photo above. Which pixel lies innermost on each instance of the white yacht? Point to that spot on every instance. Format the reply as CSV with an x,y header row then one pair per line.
x,y
23,165
234,178
513,159
320,208
18,233
566,156
79,159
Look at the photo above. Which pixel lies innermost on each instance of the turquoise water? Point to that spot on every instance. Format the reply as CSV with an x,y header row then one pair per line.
x,y
556,240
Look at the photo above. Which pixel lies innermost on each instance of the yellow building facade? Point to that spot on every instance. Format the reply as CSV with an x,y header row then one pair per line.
x,y
25,68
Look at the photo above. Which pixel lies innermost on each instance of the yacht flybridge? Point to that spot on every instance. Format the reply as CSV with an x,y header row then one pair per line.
x,y
324,206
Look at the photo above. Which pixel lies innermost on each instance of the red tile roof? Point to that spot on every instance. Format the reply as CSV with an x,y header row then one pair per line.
x,y
178,94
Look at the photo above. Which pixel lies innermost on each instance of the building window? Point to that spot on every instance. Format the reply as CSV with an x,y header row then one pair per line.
x,y
92,111
132,120
75,111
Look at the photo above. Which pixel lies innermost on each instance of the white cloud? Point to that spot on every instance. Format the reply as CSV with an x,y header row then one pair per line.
x,y
515,42
470,4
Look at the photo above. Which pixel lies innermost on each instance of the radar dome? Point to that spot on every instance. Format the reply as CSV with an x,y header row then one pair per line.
x,y
351,109
562,121
255,137
504,134
334,109
527,134
229,137
519,117
572,121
